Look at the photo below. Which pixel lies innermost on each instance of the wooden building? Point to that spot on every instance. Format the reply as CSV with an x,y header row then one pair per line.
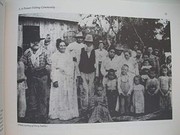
x,y
62,26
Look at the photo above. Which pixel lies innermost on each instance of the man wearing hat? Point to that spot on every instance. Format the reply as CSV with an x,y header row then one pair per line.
x,y
112,61
37,68
74,48
101,54
87,70
119,49
119,52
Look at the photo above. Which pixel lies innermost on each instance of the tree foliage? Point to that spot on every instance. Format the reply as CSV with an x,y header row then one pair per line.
x,y
115,30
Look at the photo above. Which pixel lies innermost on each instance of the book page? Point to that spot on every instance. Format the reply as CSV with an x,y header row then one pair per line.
x,y
92,67
2,20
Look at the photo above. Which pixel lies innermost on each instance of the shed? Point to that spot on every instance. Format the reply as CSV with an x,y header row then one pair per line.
x,y
58,25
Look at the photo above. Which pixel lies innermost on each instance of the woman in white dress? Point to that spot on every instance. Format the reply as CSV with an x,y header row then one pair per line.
x,y
63,95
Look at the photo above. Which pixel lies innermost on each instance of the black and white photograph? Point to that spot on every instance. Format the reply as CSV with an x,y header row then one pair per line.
x,y
87,68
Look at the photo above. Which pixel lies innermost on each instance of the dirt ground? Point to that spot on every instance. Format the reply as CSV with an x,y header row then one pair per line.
x,y
159,115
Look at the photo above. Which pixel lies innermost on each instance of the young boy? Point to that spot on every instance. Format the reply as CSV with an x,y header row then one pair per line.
x,y
125,83
165,89
110,84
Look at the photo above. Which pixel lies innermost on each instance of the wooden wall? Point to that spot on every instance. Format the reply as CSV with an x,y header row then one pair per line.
x,y
56,28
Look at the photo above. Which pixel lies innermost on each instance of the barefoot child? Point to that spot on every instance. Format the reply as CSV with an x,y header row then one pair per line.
x,y
138,96
98,107
125,83
152,92
165,89
110,84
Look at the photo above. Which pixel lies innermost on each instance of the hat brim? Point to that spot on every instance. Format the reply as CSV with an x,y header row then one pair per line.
x,y
39,39
88,41
79,37
119,49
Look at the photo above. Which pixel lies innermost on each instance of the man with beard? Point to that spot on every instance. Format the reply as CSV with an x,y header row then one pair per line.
x,y
37,68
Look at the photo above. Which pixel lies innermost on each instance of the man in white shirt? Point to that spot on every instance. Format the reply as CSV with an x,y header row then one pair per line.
x,y
100,54
112,61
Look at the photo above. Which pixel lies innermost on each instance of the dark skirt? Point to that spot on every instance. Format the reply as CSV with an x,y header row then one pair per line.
x,y
38,98
151,102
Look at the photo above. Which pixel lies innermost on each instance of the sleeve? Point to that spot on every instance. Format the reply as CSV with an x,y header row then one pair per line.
x,y
54,70
131,84
24,60
104,82
159,81
158,86
96,64
120,64
48,61
103,70
78,57
77,69
136,67
119,84
147,85
170,84
48,58
143,89
23,70
118,72
77,54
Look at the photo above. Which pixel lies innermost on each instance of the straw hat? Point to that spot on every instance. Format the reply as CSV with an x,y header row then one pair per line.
x,y
88,38
120,48
79,35
100,41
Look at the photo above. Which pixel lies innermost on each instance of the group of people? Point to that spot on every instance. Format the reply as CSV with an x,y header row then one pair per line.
x,y
77,80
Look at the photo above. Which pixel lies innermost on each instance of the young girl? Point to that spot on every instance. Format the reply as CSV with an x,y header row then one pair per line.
x,y
165,89
110,84
144,71
144,76
152,92
98,107
138,96
21,87
125,84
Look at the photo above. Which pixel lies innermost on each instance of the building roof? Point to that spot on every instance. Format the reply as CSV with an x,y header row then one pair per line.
x,y
56,16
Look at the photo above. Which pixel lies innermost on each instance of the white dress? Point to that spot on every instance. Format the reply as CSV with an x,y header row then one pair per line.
x,y
63,99
138,98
